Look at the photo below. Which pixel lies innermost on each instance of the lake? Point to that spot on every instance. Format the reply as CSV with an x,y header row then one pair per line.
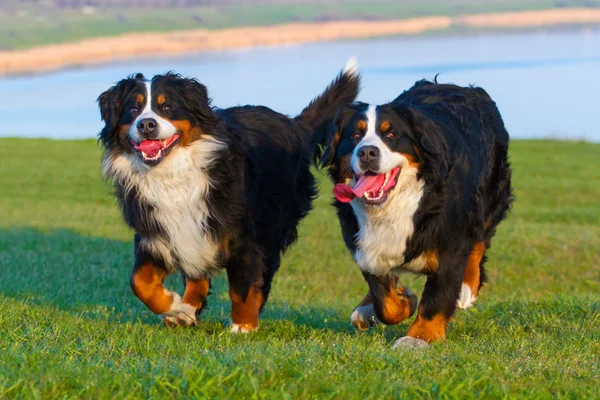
x,y
546,84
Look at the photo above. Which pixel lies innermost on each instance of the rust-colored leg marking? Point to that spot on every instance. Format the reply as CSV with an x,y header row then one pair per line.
x,y
244,312
429,330
260,301
396,307
472,271
147,284
392,305
196,292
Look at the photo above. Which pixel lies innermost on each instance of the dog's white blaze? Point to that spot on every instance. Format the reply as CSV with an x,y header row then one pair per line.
x,y
165,128
388,159
384,231
177,189
148,106
371,121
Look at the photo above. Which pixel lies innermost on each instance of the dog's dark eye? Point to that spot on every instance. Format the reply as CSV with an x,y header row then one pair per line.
x,y
390,135
355,135
166,108
133,110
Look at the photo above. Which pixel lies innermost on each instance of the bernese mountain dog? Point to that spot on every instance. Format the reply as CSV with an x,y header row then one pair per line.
x,y
207,189
421,184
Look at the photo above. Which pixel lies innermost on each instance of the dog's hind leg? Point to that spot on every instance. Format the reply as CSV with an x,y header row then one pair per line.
x,y
246,292
438,301
474,277
272,263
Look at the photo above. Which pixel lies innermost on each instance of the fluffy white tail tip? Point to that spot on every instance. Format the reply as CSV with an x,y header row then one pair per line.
x,y
351,67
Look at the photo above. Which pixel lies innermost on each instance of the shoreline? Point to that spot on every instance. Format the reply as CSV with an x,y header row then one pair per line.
x,y
133,45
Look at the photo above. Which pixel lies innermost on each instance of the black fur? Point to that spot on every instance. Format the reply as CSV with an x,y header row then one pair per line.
x,y
457,137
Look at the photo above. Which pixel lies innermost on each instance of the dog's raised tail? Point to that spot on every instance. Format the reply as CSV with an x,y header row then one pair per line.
x,y
321,111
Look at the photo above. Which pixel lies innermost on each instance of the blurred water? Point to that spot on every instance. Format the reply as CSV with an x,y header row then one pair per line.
x,y
545,84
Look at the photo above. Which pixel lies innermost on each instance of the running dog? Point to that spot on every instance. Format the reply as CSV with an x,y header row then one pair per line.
x,y
209,189
421,184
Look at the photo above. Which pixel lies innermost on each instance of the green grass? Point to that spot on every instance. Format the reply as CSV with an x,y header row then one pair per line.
x,y
70,326
27,25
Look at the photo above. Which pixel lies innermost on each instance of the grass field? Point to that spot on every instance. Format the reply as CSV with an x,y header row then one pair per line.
x,y
23,25
70,327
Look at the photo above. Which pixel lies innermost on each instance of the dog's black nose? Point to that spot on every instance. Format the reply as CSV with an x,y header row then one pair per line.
x,y
147,126
369,157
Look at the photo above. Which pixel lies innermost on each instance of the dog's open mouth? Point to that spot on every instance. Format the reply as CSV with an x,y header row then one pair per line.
x,y
153,151
373,189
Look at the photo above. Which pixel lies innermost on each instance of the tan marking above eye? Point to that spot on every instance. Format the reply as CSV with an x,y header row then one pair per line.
x,y
385,126
139,98
361,125
161,100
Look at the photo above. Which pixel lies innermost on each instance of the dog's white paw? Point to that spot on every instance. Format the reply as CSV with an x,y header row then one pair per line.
x,y
180,319
410,343
241,328
363,317
466,298
180,314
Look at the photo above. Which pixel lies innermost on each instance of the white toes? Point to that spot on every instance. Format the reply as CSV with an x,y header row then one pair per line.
x,y
235,328
180,314
363,317
410,343
180,320
466,298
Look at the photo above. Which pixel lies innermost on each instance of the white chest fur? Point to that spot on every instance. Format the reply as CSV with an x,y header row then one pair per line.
x,y
384,231
177,190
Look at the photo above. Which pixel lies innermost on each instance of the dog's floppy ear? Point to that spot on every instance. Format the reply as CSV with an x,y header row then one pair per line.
x,y
426,133
110,103
333,137
195,95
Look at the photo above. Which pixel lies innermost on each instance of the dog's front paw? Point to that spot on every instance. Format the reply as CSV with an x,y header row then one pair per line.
x,y
181,319
242,328
181,314
363,317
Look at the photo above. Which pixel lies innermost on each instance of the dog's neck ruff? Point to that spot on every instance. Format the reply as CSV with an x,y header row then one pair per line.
x,y
177,191
384,232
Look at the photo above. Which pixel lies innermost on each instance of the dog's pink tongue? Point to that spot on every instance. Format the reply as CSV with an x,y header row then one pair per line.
x,y
150,147
345,193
